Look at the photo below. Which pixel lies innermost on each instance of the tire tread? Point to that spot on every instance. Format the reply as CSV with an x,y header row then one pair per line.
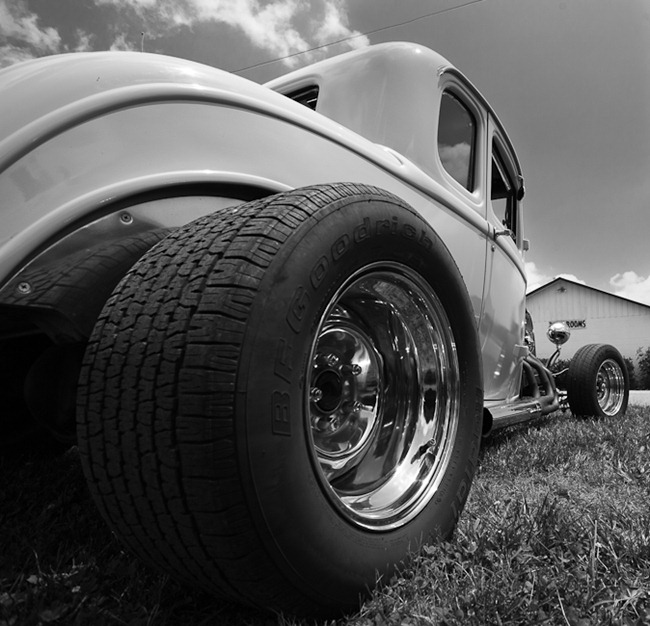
x,y
145,468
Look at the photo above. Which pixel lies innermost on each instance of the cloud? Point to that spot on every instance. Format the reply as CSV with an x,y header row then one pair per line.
x,y
334,28
536,278
120,43
572,277
632,286
19,24
14,54
456,159
279,27
24,38
282,29
84,42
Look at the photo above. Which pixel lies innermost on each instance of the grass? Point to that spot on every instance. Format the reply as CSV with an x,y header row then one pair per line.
x,y
556,531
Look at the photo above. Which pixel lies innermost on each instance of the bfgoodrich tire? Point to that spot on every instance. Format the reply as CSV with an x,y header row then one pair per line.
x,y
283,399
598,382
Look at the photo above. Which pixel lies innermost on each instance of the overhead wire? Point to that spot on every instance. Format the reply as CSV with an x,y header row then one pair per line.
x,y
351,37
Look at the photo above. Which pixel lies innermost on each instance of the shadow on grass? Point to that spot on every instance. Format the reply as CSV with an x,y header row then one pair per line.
x,y
61,564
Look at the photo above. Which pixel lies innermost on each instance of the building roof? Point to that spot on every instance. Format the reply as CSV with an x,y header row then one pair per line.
x,y
560,279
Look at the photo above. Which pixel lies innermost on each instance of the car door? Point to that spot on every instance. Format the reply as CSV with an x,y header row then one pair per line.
x,y
502,320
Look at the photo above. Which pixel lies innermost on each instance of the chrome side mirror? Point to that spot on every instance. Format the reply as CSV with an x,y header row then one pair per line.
x,y
558,333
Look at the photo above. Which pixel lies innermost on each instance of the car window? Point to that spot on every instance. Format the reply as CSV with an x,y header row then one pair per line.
x,y
457,140
308,96
502,195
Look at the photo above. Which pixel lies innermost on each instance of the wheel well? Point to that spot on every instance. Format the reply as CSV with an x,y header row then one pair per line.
x,y
487,422
49,308
65,282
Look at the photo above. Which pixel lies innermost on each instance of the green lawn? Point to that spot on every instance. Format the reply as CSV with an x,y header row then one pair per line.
x,y
556,531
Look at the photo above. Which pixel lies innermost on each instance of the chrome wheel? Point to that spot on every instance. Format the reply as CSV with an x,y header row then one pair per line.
x,y
610,387
383,396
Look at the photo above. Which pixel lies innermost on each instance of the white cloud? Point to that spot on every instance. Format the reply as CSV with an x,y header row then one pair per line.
x,y
22,35
18,23
84,41
120,43
632,286
14,54
455,160
536,278
280,27
572,277
270,28
333,27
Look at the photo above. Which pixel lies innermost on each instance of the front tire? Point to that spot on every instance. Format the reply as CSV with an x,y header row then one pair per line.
x,y
598,382
282,400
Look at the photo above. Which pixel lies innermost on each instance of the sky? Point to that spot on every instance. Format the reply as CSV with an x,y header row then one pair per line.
x,y
569,79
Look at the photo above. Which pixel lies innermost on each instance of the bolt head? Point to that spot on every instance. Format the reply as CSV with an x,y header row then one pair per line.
x,y
331,360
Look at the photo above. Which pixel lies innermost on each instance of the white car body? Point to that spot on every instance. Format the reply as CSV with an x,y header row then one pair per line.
x,y
119,134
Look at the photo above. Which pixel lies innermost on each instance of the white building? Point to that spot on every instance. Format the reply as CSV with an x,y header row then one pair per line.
x,y
593,316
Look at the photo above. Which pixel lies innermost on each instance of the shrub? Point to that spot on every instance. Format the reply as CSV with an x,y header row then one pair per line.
x,y
631,370
643,365
559,369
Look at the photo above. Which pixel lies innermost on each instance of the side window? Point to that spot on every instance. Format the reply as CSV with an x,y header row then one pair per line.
x,y
308,96
457,140
502,195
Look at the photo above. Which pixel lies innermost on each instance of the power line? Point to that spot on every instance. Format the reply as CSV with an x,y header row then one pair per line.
x,y
370,32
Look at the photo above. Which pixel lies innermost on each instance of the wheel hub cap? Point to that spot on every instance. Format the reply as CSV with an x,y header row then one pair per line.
x,y
382,396
610,387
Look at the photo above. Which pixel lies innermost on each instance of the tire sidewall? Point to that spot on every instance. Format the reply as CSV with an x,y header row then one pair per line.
x,y
591,357
325,553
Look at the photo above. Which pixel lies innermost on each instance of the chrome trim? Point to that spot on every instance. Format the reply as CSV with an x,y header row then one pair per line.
x,y
558,333
508,414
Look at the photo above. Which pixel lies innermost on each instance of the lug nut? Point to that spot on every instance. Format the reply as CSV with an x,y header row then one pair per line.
x,y
315,394
331,360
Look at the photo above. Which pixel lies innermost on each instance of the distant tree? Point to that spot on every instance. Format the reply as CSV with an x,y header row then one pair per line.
x,y
629,363
643,366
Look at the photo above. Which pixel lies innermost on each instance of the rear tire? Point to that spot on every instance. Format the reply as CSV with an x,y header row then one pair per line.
x,y
282,400
598,383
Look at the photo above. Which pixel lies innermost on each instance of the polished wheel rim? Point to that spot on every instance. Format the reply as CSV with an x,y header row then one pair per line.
x,y
383,396
610,387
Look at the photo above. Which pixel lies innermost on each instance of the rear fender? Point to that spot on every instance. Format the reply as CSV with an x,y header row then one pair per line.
x,y
63,285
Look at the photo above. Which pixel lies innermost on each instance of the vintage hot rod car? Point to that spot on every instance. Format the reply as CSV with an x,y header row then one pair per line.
x,y
284,315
